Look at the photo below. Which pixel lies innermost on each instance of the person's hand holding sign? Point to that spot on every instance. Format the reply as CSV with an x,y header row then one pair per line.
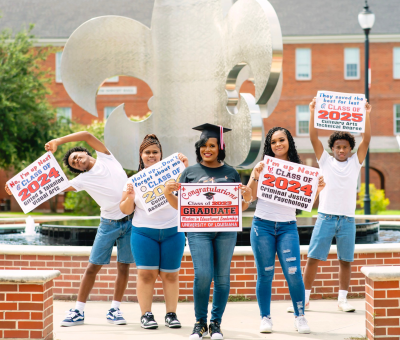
x,y
257,170
8,191
130,191
246,193
183,159
51,146
170,187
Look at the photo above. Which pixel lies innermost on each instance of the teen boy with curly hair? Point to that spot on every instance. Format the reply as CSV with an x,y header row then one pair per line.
x,y
337,205
103,179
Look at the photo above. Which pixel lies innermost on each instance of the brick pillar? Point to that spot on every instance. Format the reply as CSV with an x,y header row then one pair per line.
x,y
382,302
26,304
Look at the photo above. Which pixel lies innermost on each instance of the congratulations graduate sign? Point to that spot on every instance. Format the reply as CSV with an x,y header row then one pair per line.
x,y
290,184
209,207
340,111
149,183
37,183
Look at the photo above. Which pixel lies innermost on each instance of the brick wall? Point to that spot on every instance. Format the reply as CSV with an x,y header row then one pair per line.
x,y
26,310
243,275
382,302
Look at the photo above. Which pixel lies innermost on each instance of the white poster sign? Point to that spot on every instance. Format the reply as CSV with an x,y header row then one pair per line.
x,y
340,111
38,182
149,183
209,207
290,184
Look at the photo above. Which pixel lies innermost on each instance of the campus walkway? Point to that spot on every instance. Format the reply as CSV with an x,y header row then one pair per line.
x,y
240,322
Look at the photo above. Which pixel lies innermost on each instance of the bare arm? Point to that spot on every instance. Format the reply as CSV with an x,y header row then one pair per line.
x,y
321,186
247,196
316,143
170,187
127,204
254,178
366,136
82,136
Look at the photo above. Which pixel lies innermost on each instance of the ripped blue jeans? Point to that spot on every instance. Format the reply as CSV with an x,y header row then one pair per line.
x,y
268,238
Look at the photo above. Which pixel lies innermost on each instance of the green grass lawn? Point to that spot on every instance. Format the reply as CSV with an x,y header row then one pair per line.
x,y
20,214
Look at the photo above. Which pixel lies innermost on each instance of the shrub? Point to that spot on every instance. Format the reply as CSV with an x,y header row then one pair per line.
x,y
378,200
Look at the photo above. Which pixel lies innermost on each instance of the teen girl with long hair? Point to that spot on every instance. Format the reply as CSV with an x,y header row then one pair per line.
x,y
274,231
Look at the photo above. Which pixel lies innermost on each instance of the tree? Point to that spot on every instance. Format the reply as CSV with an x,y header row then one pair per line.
x,y
27,120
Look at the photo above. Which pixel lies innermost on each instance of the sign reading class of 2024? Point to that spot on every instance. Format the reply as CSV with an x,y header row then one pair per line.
x,y
209,207
340,111
37,183
286,183
149,183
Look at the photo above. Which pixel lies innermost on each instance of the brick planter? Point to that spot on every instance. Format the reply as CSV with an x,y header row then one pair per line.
x,y
26,304
382,302
72,262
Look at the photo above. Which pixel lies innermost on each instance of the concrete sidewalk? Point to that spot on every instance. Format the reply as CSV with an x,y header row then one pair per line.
x,y
240,322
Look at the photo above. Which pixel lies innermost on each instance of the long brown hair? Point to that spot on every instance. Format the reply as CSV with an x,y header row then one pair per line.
x,y
148,140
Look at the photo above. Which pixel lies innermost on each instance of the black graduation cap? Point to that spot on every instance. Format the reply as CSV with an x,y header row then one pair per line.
x,y
209,195
212,131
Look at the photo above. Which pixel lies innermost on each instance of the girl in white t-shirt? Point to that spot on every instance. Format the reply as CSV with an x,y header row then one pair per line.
x,y
274,231
156,244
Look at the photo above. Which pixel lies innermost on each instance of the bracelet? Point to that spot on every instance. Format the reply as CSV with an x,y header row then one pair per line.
x,y
247,202
254,179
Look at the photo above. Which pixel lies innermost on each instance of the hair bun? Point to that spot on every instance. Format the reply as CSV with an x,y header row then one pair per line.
x,y
150,136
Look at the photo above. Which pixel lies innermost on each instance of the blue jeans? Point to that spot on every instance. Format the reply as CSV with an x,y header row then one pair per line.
x,y
268,238
327,226
108,233
158,248
212,255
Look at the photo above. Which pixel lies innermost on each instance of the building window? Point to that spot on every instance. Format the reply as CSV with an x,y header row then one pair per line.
x,y
303,63
108,110
64,113
397,119
302,120
396,63
58,67
351,63
113,79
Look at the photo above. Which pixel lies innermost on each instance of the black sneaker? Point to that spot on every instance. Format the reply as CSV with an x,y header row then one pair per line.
x,y
199,330
147,321
215,331
172,321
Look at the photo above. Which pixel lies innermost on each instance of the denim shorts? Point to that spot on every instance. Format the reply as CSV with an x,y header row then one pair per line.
x,y
108,233
328,226
160,249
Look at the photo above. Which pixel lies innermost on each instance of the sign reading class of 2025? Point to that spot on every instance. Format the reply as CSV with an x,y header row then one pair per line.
x,y
149,183
38,182
286,183
340,111
209,207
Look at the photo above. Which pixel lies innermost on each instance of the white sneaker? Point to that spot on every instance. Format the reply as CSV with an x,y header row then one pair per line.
x,y
345,306
300,323
291,309
266,325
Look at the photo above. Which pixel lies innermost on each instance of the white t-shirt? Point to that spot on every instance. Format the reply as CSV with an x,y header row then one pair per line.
x,y
274,212
104,183
165,218
340,193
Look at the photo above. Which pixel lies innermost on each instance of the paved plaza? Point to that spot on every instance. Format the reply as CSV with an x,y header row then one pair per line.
x,y
240,322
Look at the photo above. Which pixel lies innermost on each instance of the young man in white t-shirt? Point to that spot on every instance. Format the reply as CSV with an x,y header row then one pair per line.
x,y
103,179
337,204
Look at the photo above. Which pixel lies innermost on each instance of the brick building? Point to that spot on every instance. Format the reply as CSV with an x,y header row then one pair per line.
x,y
323,50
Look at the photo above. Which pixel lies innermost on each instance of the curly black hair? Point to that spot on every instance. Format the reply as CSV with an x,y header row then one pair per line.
x,y
202,142
341,135
69,152
292,153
